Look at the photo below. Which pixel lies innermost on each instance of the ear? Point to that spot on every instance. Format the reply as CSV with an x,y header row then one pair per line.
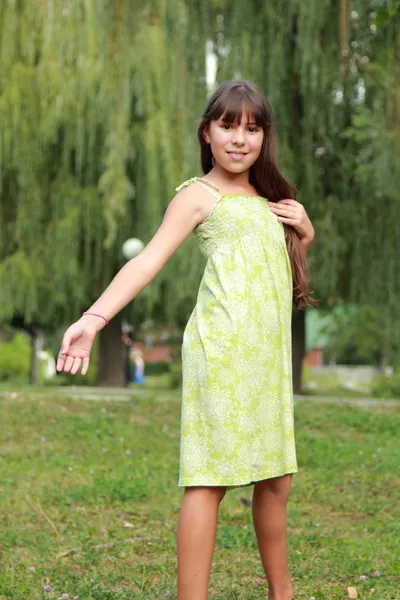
x,y
206,134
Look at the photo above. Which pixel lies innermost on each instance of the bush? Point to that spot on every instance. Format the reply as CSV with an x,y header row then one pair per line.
x,y
156,368
15,359
387,386
175,377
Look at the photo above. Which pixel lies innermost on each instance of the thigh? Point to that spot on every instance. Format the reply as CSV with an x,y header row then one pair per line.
x,y
216,493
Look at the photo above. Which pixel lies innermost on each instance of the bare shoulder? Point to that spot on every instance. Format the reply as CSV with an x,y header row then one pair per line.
x,y
187,209
195,198
184,212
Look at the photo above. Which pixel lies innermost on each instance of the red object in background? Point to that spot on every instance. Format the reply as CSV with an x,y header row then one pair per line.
x,y
314,358
157,353
161,353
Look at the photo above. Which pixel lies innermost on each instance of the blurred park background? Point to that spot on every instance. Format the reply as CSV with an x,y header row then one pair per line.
x,y
98,109
99,102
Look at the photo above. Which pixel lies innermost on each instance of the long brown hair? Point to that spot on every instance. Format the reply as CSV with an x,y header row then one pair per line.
x,y
233,99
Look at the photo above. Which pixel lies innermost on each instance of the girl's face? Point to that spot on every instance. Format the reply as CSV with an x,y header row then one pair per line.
x,y
235,146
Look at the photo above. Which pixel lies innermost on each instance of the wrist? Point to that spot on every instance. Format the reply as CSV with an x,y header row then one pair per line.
x,y
307,239
98,323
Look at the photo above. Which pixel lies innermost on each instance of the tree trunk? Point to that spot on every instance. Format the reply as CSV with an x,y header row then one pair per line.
x,y
344,37
298,347
112,355
36,345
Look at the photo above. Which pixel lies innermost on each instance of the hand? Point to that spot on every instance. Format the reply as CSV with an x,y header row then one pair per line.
x,y
293,213
76,346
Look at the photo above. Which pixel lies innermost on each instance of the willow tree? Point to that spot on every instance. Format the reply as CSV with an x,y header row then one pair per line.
x,y
329,75
97,105
373,138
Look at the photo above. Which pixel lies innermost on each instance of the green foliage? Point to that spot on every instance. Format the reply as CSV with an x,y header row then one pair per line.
x,y
15,357
156,368
95,136
175,374
386,386
332,80
15,362
97,133
356,335
386,10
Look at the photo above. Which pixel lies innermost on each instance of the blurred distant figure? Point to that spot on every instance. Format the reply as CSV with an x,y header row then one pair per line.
x,y
137,362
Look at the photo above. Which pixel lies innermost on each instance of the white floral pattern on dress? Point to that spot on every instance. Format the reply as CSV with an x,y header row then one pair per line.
x,y
237,418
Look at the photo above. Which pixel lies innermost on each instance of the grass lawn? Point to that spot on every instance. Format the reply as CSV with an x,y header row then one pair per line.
x,y
89,503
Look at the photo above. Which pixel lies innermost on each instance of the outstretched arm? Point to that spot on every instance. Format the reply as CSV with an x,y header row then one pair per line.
x,y
181,217
184,212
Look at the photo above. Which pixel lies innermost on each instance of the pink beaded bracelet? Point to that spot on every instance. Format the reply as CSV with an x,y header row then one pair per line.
x,y
97,315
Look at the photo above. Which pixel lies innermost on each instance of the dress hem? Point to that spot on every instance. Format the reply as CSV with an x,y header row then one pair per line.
x,y
235,485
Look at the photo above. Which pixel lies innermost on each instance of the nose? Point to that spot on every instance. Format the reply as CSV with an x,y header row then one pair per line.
x,y
238,136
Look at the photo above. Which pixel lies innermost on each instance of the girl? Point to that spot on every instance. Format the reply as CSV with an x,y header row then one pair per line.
x,y
237,404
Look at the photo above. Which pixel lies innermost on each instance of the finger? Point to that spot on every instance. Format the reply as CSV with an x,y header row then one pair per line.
x,y
68,363
289,201
287,221
279,204
60,361
85,365
65,343
284,210
75,366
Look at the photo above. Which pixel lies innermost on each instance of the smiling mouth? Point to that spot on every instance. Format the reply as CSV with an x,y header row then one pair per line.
x,y
237,155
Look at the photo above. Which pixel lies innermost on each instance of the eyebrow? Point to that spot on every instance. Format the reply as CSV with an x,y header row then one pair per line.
x,y
249,123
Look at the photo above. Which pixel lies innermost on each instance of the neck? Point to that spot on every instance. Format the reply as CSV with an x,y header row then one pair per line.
x,y
223,177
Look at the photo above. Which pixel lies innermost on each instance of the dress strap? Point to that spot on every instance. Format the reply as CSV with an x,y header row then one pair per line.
x,y
209,185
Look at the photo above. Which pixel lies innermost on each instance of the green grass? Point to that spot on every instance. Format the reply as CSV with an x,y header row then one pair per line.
x,y
78,474
337,392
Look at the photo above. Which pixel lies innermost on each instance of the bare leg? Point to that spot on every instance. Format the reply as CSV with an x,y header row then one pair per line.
x,y
270,498
197,528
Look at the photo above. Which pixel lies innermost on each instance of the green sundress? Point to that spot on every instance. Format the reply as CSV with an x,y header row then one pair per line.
x,y
237,418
